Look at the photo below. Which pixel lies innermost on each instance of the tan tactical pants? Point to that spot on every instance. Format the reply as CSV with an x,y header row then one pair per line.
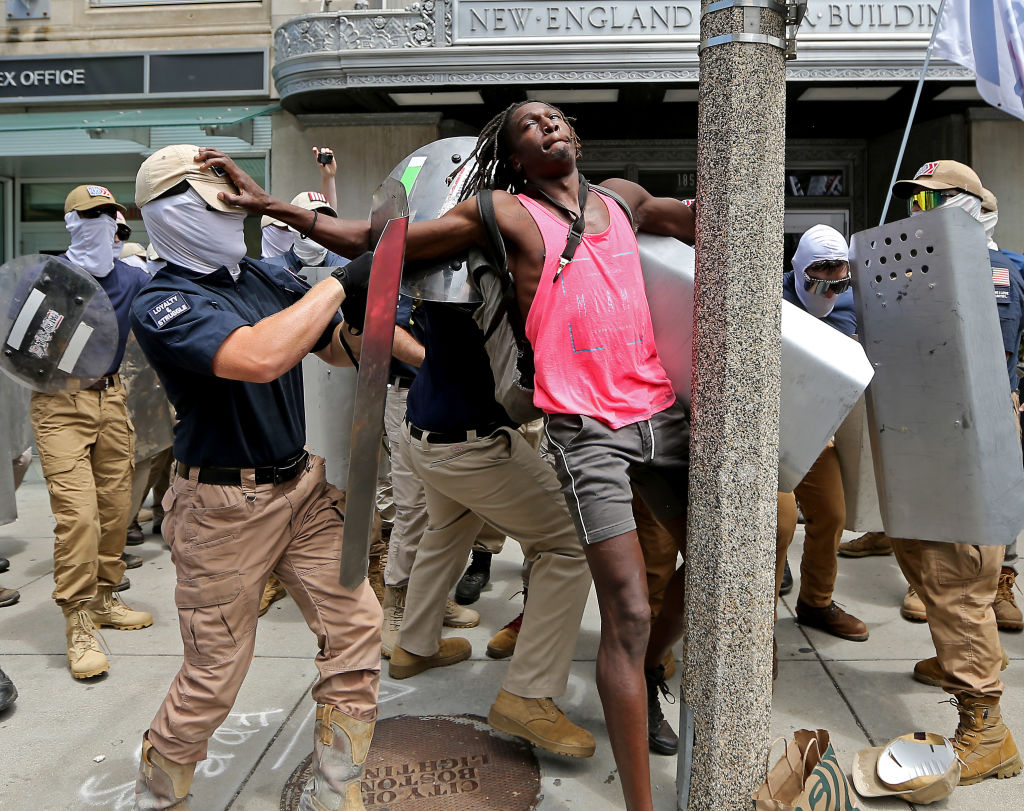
x,y
225,541
499,479
86,449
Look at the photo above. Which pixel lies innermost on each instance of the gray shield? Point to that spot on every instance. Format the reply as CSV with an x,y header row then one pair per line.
x,y
58,329
946,456
823,371
853,446
147,403
15,437
425,174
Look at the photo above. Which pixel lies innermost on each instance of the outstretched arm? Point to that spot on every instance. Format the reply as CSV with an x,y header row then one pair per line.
x,y
655,215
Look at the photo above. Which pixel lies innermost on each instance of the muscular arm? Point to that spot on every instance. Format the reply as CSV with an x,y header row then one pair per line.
x,y
655,215
407,349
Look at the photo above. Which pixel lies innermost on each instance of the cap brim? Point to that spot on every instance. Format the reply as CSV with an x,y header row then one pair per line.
x,y
101,202
907,188
208,189
865,776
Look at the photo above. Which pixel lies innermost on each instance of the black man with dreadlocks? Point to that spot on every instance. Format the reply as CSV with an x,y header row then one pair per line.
x,y
612,417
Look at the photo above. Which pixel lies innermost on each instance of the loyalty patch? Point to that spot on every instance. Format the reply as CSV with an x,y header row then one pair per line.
x,y
99,191
169,309
927,170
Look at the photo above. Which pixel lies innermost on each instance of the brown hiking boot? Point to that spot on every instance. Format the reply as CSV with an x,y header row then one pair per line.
x,y
1008,614
161,783
542,723
85,658
983,744
452,650
394,613
375,575
340,746
870,543
273,591
503,643
832,620
929,671
913,607
108,611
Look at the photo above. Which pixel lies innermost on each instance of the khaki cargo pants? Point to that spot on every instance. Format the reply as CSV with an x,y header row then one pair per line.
x,y
225,541
86,445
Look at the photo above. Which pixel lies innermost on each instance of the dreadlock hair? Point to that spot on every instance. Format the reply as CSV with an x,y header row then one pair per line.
x,y
492,169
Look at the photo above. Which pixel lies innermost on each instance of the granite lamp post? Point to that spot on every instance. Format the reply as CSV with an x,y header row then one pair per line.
x,y
735,406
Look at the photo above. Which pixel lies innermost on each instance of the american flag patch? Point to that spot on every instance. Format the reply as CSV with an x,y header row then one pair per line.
x,y
1001,277
927,170
316,197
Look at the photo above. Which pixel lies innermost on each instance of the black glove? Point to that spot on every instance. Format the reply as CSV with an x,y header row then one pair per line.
x,y
355,278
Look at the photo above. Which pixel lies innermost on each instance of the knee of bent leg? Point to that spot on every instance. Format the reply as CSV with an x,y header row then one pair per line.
x,y
630,620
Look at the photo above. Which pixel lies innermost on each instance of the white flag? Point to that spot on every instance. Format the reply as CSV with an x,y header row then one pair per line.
x,y
987,36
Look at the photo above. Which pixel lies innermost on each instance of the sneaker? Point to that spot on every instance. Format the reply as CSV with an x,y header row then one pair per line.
x,y
503,643
786,586
913,608
133,537
9,597
394,613
8,692
929,671
458,616
871,543
85,658
476,576
661,738
1008,614
131,561
832,620
124,585
541,722
106,610
451,651
983,744
273,591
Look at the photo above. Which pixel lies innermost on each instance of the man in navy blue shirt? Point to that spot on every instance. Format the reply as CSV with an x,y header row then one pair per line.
x,y
86,448
226,336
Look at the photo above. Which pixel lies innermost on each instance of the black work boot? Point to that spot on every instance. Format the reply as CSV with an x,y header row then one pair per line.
x,y
787,581
476,576
661,738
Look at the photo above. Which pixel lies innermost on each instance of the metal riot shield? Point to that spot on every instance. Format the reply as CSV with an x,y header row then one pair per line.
x,y
823,371
425,174
853,446
16,436
58,329
390,215
147,403
946,456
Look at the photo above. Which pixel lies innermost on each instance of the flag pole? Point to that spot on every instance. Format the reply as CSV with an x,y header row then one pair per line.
x,y
913,112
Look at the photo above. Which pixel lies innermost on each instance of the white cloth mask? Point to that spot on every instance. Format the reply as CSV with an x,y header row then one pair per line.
x,y
183,231
276,241
816,304
989,219
92,242
311,254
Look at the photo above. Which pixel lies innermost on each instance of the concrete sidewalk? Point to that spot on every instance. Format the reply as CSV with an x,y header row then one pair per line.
x,y
75,745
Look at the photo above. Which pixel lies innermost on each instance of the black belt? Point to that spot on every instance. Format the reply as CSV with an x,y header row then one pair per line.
x,y
102,384
450,437
400,381
271,474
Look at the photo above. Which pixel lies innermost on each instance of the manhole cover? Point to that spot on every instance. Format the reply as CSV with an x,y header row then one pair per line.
x,y
439,762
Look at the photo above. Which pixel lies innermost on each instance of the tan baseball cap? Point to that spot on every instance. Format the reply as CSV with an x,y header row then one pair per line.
x,y
83,198
151,253
944,174
920,767
132,249
988,201
167,167
313,201
266,220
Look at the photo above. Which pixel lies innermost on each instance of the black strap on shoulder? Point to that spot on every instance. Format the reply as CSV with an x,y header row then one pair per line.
x,y
499,260
618,199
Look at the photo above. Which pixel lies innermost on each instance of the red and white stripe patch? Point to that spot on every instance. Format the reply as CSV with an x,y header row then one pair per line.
x,y
1001,277
316,197
927,170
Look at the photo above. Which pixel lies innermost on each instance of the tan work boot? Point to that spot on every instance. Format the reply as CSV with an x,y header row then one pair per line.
x,y
913,607
108,611
983,744
340,744
162,784
85,658
452,650
540,721
503,643
929,671
870,543
273,591
394,613
375,574
1008,614
458,616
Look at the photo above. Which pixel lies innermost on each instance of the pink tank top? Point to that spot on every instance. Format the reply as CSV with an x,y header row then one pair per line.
x,y
591,332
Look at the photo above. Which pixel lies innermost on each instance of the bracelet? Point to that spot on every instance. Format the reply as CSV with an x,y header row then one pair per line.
x,y
312,225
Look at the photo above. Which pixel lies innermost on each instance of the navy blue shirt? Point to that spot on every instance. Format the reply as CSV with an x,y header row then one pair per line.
x,y
121,285
290,260
843,316
181,319
454,389
1008,285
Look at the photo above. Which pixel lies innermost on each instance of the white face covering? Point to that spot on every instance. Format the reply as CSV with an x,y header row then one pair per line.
x,y
276,241
183,231
989,220
92,242
820,242
310,253
817,305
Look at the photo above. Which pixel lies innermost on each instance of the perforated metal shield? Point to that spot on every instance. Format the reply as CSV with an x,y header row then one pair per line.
x,y
823,371
853,446
425,174
946,456
57,326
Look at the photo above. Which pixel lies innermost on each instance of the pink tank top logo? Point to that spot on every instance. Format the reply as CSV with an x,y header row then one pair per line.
x,y
591,331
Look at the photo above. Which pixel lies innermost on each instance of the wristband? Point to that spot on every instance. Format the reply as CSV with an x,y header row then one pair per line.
x,y
312,225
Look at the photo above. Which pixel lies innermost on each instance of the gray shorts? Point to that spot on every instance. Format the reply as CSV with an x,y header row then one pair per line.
x,y
596,466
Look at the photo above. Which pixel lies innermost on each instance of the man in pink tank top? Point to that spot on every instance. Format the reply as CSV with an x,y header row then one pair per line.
x,y
612,417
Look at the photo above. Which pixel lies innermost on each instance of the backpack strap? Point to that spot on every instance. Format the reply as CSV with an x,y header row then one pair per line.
x,y
499,257
618,199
